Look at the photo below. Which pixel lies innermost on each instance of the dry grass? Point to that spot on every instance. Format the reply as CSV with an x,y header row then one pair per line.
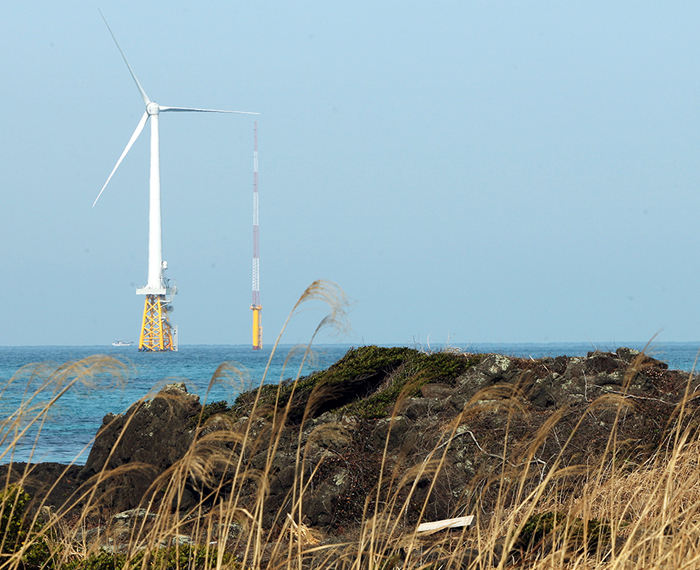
x,y
651,509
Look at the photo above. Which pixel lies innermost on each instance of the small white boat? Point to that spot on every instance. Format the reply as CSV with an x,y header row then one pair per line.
x,y
122,343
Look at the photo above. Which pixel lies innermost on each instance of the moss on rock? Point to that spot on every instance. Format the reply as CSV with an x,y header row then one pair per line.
x,y
366,382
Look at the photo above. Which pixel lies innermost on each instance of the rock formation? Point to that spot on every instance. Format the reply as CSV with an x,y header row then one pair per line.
x,y
383,410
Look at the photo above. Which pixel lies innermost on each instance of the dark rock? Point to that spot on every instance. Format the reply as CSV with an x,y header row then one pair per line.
x,y
151,432
616,379
437,391
540,395
340,459
319,508
497,368
559,364
333,437
423,408
598,361
395,430
56,484
469,384
629,355
149,438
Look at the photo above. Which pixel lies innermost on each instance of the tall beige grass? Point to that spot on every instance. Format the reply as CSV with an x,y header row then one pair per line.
x,y
652,508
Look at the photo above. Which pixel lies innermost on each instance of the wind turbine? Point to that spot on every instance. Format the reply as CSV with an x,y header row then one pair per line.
x,y
156,332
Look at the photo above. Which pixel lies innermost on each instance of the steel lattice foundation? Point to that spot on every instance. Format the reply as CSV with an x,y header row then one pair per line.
x,y
156,332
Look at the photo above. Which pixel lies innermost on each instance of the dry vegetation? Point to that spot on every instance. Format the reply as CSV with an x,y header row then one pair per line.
x,y
607,513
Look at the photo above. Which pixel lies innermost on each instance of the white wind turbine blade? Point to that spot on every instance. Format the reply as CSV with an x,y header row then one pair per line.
x,y
145,98
187,109
132,140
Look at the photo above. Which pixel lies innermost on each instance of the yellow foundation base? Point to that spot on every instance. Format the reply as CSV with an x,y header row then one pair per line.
x,y
257,328
156,332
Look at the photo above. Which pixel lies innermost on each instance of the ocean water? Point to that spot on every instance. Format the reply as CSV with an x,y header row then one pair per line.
x,y
65,433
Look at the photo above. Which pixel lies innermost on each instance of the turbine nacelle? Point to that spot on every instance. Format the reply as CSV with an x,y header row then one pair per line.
x,y
152,108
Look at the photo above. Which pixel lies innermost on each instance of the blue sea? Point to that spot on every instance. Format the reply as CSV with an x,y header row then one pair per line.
x,y
65,433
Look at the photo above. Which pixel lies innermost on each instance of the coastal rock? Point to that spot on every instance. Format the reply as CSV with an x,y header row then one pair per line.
x,y
149,438
391,433
437,391
53,483
497,367
421,408
471,415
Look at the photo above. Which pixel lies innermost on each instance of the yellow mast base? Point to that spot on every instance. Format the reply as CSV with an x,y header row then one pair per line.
x,y
156,333
257,327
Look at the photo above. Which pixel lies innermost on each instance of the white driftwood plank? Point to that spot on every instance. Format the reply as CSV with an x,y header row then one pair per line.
x,y
459,522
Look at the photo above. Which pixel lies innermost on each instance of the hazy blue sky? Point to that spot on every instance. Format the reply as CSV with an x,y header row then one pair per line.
x,y
491,171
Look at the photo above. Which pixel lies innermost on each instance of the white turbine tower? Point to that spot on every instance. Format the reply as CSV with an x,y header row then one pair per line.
x,y
156,331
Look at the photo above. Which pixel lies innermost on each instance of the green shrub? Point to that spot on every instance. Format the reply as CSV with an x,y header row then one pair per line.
x,y
549,528
16,531
173,558
13,503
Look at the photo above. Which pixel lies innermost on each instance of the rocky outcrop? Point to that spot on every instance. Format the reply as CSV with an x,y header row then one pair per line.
x,y
133,449
399,412
569,381
152,432
489,411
